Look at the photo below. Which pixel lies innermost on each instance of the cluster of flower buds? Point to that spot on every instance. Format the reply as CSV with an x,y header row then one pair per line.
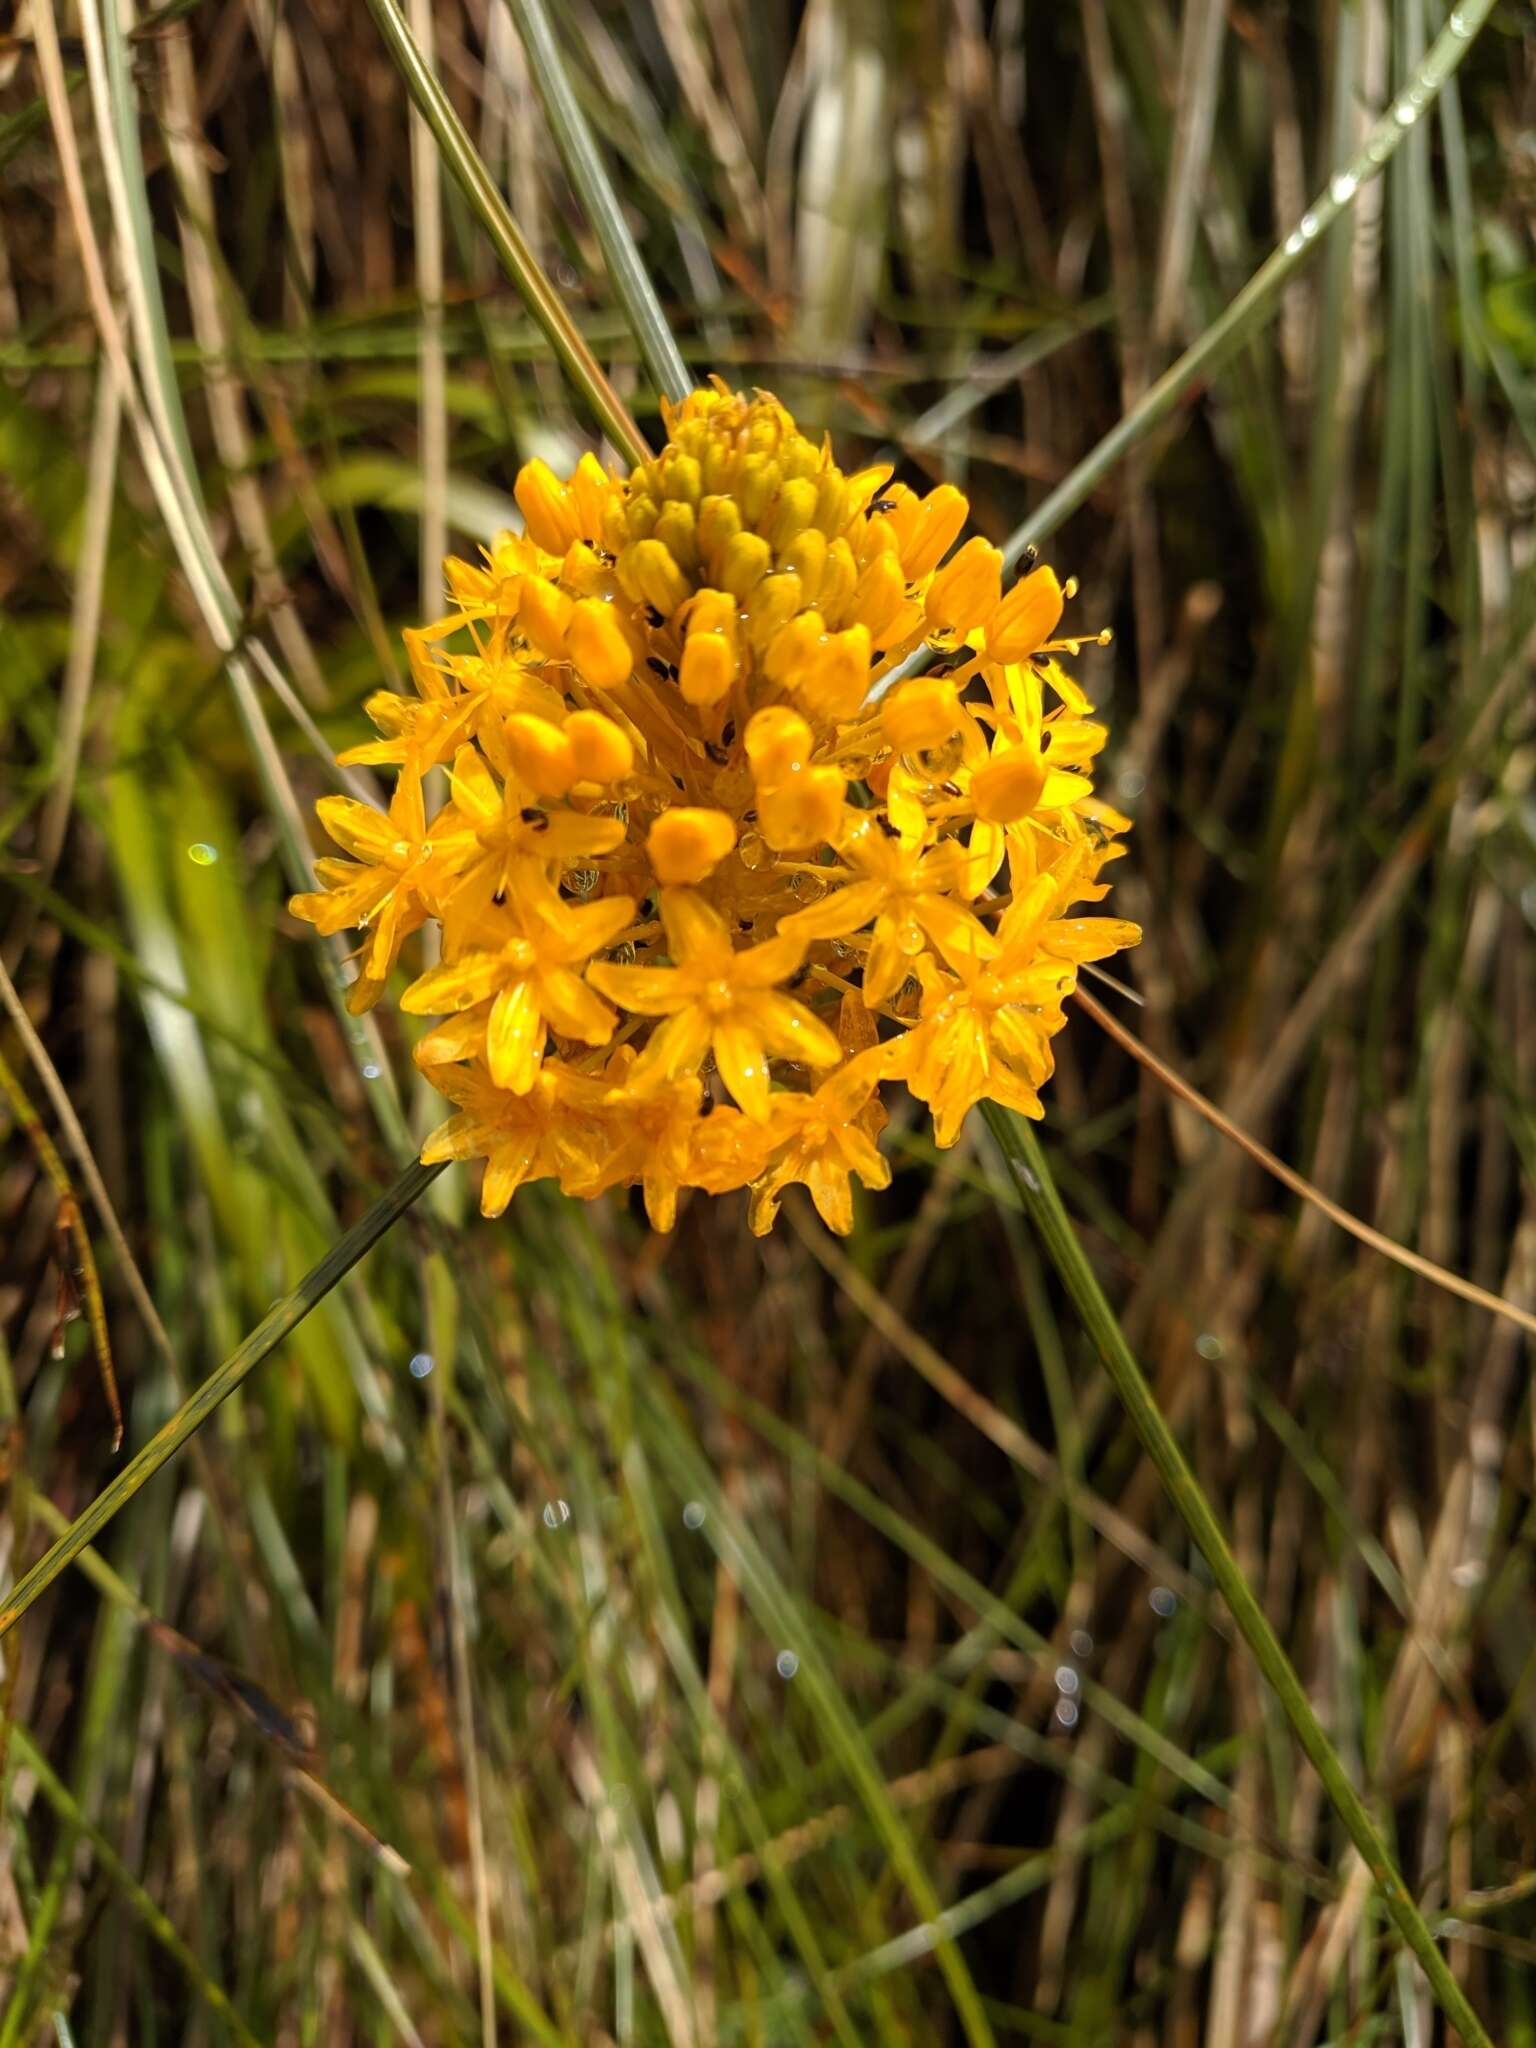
x,y
704,878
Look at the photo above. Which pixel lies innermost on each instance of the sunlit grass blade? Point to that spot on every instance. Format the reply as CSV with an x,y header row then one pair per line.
x,y
193,1413
1258,299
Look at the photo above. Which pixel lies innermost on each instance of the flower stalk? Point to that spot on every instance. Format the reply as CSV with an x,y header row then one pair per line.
x,y
1026,1162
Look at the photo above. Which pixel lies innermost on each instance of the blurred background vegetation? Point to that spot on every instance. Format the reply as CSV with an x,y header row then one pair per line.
x,y
579,1636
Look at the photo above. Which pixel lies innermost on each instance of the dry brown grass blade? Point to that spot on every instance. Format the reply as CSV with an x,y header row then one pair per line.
x,y
85,1282
1288,1177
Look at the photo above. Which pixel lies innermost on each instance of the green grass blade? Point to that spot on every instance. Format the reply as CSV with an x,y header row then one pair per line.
x,y
579,154
1027,1163
1260,296
494,215
194,1412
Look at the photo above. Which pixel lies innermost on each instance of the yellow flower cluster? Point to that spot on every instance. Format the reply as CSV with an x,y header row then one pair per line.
x,y
702,882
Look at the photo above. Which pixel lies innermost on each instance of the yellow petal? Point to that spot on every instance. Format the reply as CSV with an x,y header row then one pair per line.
x,y
541,753
443,990
743,1067
514,1038
919,714
358,827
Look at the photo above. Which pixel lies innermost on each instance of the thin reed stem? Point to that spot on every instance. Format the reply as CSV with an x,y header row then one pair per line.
x,y
495,216
579,154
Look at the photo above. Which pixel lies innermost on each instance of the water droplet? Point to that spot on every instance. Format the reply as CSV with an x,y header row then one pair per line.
x,y
201,854
1164,1601
1130,783
1405,113
1295,242
693,1514
1082,1643
556,1514
1342,187
371,1070
1209,1345
1067,1680
1066,1713
1028,1178
1308,226
422,1364
786,1663
1470,1572
1459,24
400,848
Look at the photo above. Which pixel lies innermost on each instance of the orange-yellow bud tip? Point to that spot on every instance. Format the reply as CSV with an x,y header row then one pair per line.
x,y
601,751
596,643
922,713
688,844
541,754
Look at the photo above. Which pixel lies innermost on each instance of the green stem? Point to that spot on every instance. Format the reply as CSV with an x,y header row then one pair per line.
x,y
1026,1162
1257,300
517,259
594,188
195,1411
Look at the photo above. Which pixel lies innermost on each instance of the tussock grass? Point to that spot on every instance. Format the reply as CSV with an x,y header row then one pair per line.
x,y
573,1636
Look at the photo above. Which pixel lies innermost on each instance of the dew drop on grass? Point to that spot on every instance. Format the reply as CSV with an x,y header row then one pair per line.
x,y
1164,1601
1082,1643
421,1365
786,1664
1342,187
556,1514
372,1071
1066,1713
693,1514
201,854
1209,1345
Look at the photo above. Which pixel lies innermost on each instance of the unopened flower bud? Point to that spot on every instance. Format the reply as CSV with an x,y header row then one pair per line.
x,y
922,713
687,844
600,749
541,754
548,507
1026,618
597,644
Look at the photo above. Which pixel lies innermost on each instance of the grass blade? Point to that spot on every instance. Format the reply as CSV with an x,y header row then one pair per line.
x,y
494,215
1026,1161
580,156
194,1412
